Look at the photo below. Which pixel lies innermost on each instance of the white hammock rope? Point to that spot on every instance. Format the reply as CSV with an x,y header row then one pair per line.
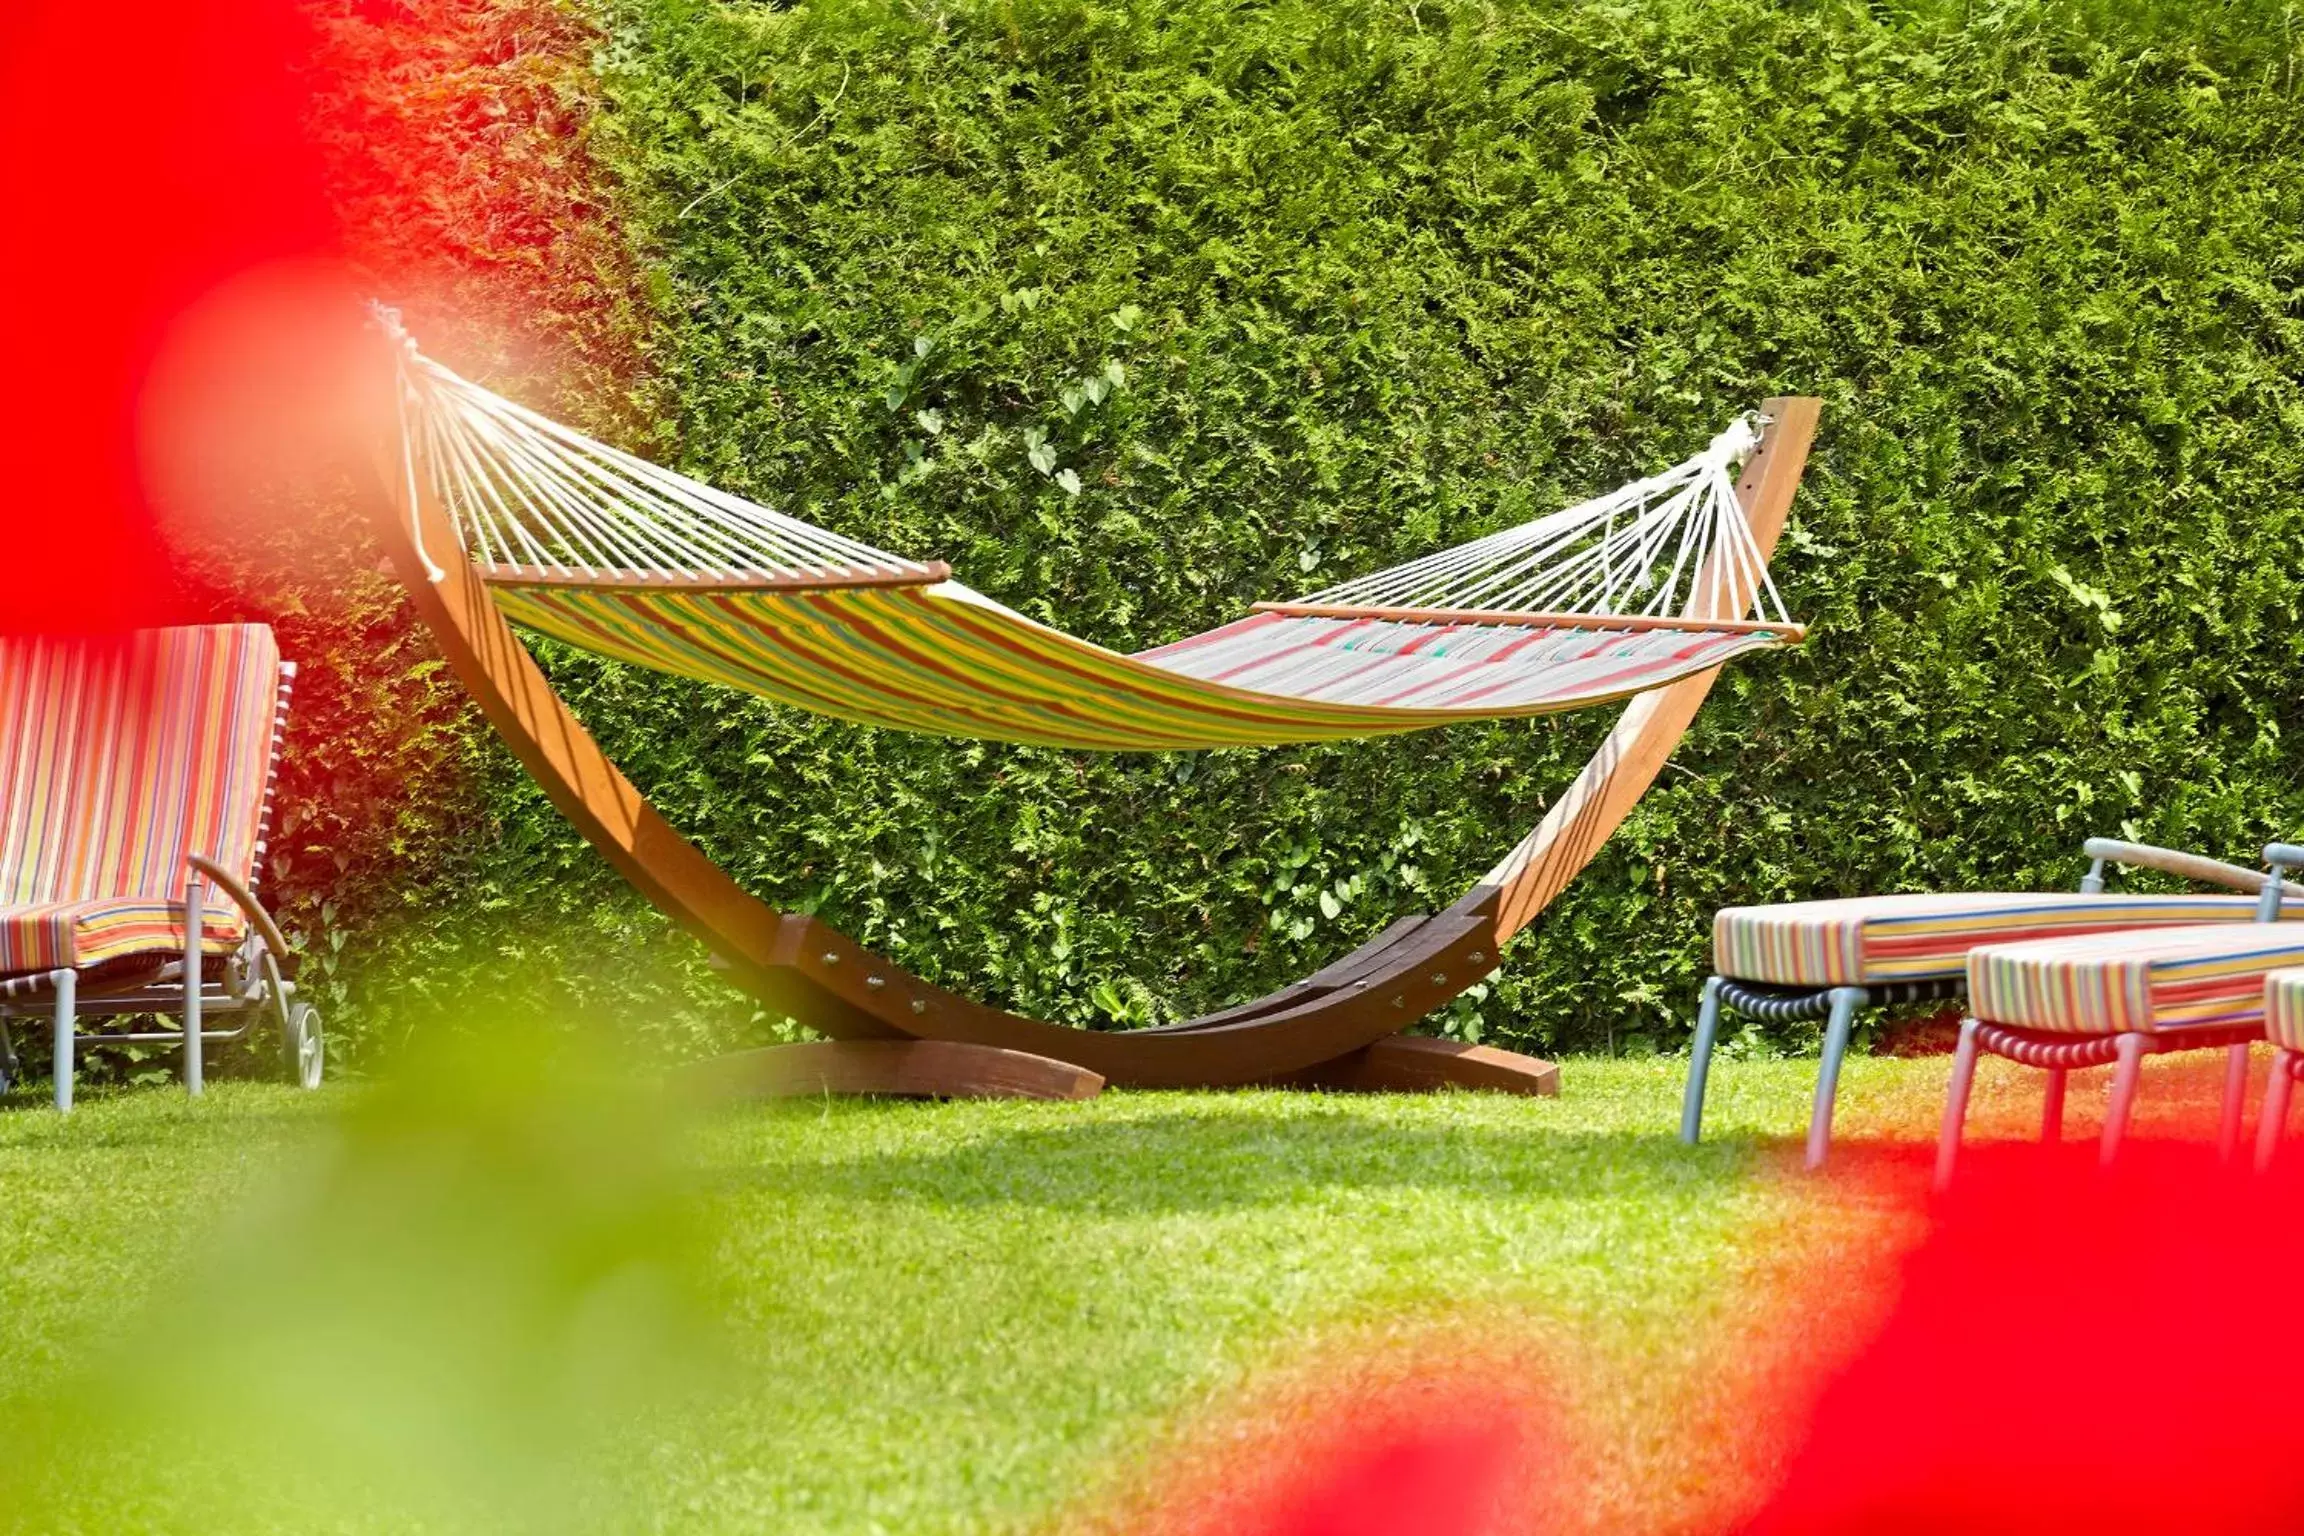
x,y
1600,557
531,499
1616,595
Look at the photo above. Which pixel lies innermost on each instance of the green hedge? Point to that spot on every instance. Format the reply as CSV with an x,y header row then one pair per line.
x,y
1374,277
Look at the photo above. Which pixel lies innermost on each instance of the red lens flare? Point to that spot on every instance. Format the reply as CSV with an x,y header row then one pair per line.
x,y
148,158
2075,1351
1444,1431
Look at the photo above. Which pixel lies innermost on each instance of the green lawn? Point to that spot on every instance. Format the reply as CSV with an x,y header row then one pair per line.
x,y
432,1306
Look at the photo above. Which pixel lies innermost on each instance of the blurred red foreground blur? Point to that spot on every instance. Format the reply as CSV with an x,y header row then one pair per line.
x,y
2075,1351
151,154
2067,1351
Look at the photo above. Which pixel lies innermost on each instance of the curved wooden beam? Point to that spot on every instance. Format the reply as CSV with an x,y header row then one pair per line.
x,y
1527,879
902,1069
819,975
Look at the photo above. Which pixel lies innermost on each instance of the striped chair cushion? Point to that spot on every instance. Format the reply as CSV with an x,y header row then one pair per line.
x,y
1864,939
2284,1008
2117,983
117,758
52,935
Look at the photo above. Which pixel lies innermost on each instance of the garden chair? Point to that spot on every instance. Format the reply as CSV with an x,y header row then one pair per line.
x,y
2065,1003
1829,959
2284,1027
135,775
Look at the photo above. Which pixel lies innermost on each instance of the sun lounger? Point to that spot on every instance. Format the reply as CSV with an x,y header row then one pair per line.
x,y
1829,959
2066,1003
135,798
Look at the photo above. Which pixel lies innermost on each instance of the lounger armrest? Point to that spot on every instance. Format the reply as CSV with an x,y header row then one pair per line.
x,y
249,906
2172,861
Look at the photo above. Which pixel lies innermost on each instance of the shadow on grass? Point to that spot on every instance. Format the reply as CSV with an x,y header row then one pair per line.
x,y
143,1117
1213,1157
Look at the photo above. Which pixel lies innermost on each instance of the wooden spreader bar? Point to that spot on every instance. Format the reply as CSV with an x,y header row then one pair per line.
x,y
926,574
1626,621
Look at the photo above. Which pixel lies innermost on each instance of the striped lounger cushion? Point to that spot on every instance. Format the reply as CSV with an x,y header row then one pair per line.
x,y
1861,940
2284,1009
2121,983
117,758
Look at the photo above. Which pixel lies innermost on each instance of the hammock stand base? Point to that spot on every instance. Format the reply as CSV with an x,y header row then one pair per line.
x,y
951,1069
1333,1029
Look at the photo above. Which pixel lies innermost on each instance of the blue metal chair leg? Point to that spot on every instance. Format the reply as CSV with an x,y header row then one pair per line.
x,y
67,985
2125,1078
1956,1104
1700,1063
2274,1121
1845,1002
195,927
2235,1098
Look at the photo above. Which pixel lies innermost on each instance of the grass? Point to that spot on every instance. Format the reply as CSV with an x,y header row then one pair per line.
x,y
911,1317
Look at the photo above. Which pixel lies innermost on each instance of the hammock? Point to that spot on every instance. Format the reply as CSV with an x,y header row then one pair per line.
x,y
595,547
558,525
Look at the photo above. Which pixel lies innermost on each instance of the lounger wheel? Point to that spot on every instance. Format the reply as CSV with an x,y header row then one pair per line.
x,y
303,1045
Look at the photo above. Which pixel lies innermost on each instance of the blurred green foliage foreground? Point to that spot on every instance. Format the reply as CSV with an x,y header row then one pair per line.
x,y
492,1298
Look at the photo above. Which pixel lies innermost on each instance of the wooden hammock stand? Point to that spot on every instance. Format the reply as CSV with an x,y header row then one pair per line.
x,y
892,1032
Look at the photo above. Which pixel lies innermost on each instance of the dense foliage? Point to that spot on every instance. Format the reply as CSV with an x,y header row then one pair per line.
x,y
453,137
1139,311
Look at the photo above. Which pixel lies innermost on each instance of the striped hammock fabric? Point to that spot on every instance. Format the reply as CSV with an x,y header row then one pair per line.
x,y
1860,940
117,758
943,660
2110,983
1629,591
